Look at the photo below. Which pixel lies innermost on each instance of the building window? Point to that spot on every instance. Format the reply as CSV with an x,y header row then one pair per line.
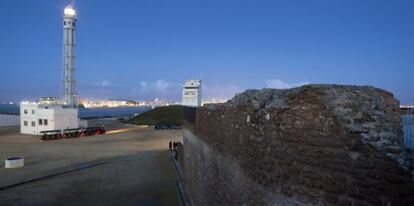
x,y
73,23
33,111
64,23
45,121
33,123
25,123
40,121
25,111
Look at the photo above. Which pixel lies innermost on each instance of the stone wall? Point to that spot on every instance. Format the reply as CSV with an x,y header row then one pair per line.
x,y
312,145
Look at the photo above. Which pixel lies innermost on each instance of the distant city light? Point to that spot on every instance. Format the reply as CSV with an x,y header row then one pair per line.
x,y
407,106
27,102
87,103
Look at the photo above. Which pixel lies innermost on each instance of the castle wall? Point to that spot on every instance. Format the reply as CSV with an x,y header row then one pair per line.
x,y
313,145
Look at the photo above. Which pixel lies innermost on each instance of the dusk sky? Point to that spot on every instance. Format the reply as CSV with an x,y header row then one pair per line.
x,y
142,49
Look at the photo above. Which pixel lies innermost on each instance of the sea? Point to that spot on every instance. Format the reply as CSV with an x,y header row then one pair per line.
x,y
86,113
408,126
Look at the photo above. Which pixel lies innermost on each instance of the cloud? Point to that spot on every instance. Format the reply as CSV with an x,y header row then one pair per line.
x,y
173,90
157,86
144,87
162,86
279,84
221,93
104,83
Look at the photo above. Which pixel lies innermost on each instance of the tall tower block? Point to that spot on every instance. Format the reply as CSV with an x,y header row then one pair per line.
x,y
69,43
192,93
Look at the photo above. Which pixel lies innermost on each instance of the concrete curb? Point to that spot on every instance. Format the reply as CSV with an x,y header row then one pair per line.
x,y
13,162
180,182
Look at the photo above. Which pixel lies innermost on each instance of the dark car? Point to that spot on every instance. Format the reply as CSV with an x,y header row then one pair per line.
x,y
162,127
51,135
93,131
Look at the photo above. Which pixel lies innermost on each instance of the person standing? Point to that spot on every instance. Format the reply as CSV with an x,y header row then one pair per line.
x,y
170,145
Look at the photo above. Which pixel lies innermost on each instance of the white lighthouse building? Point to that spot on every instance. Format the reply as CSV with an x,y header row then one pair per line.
x,y
192,93
69,43
36,117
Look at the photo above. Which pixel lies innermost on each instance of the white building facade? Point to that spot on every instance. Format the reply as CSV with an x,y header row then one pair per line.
x,y
192,93
35,118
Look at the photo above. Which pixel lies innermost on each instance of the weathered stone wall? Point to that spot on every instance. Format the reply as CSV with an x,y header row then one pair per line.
x,y
312,145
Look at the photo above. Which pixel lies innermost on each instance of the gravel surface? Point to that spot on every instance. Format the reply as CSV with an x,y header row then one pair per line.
x,y
128,166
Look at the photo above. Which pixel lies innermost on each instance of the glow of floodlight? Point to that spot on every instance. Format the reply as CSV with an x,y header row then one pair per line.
x,y
69,11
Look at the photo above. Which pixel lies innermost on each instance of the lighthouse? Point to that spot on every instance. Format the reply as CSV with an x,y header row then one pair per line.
x,y
59,115
70,97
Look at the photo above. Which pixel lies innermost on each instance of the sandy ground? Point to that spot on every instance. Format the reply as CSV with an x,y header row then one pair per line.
x,y
128,166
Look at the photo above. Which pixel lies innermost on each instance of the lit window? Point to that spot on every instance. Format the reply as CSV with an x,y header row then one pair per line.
x,y
33,123
40,121
45,121
25,123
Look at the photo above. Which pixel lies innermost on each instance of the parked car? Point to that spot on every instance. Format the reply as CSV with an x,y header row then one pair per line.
x,y
71,133
51,135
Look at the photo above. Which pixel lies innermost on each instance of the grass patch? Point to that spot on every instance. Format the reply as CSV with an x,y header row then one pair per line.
x,y
169,115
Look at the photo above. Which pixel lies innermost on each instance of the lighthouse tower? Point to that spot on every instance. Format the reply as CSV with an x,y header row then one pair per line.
x,y
69,43
37,117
